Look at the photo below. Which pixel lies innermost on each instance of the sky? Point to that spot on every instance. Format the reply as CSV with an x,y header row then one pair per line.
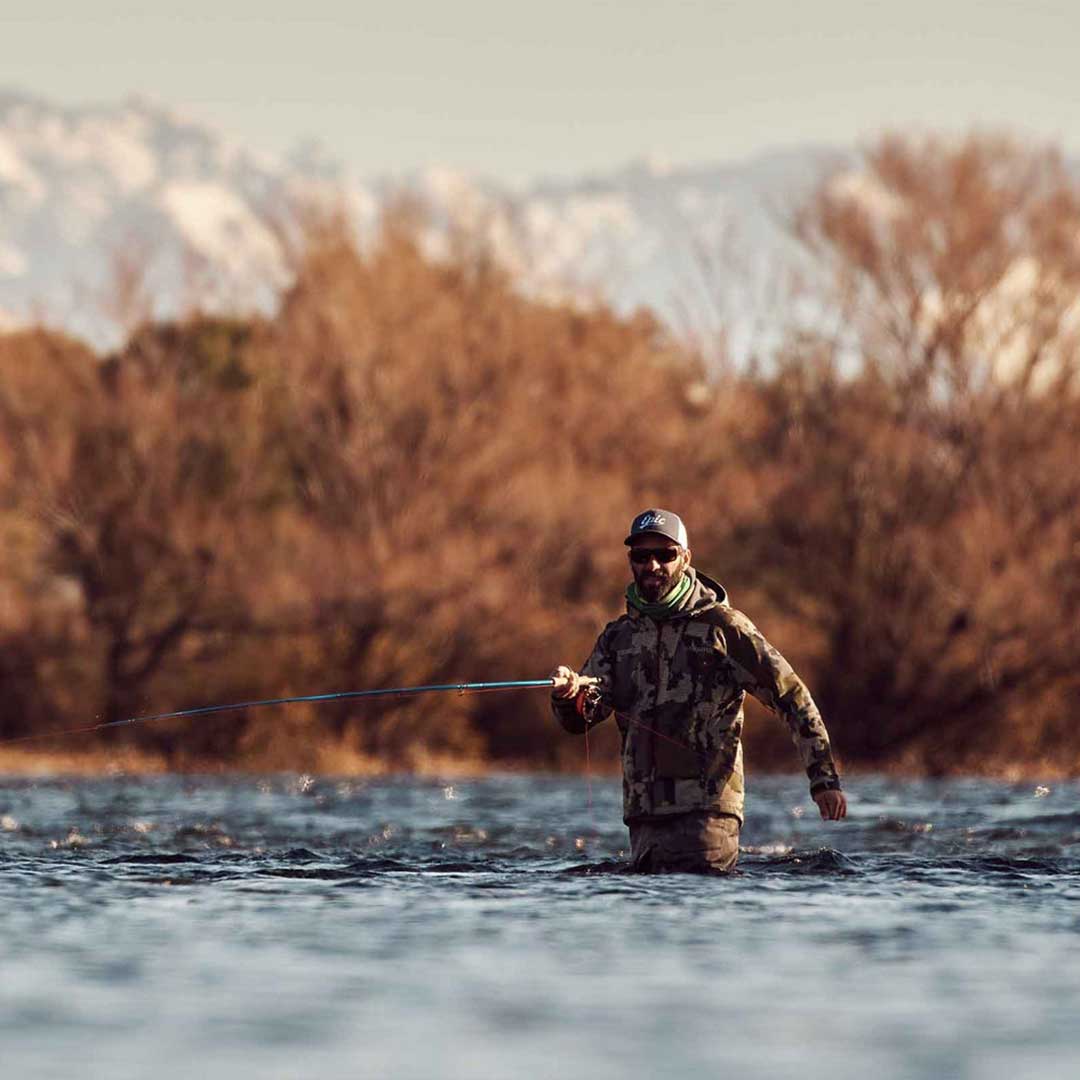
x,y
518,90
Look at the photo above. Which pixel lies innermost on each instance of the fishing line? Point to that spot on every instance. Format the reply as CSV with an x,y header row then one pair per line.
x,y
588,780
661,735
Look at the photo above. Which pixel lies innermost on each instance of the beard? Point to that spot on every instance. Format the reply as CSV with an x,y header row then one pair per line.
x,y
653,585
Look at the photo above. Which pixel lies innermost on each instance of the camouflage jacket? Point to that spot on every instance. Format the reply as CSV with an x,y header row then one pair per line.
x,y
677,688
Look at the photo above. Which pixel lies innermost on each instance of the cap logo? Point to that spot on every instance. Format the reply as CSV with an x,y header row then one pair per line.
x,y
650,519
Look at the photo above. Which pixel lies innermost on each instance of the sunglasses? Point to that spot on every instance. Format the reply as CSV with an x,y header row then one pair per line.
x,y
661,555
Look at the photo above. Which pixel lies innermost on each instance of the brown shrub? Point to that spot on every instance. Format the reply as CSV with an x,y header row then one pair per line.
x,y
925,526
415,474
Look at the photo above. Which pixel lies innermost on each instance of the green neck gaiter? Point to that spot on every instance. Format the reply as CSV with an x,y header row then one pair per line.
x,y
667,605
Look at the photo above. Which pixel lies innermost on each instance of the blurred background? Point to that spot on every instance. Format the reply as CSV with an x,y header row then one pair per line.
x,y
338,349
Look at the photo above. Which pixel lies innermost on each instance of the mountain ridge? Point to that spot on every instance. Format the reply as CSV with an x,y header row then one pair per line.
x,y
90,193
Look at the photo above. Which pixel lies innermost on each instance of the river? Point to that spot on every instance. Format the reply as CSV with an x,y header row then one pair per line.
x,y
174,927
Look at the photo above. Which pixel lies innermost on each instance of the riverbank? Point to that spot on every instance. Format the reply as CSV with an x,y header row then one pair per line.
x,y
330,761
335,761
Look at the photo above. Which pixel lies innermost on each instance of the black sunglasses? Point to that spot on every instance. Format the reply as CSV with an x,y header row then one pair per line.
x,y
661,555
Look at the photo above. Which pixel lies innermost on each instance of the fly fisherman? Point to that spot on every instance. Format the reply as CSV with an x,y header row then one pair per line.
x,y
675,670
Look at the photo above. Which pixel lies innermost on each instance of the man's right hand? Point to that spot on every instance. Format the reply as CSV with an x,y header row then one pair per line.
x,y
567,682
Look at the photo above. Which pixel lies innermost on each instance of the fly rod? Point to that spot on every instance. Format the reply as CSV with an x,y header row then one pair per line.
x,y
341,695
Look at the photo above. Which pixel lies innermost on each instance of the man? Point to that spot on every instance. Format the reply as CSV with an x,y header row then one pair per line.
x,y
675,670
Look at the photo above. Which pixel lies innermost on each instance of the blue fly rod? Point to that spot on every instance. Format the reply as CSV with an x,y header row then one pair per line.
x,y
397,691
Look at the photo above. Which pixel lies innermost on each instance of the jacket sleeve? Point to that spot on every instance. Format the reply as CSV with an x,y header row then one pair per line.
x,y
593,704
763,672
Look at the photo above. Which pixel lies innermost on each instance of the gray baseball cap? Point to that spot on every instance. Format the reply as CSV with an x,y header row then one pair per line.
x,y
661,522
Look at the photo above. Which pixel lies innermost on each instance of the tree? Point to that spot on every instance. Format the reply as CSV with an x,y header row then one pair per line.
x,y
923,517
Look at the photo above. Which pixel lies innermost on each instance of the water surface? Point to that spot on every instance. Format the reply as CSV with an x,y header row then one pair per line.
x,y
311,927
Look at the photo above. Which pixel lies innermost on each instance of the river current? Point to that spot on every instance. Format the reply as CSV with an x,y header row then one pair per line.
x,y
178,927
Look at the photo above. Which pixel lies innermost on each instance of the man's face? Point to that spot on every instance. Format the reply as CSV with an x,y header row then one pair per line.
x,y
657,563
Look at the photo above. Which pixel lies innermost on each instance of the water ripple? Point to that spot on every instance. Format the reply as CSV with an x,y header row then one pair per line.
x,y
301,926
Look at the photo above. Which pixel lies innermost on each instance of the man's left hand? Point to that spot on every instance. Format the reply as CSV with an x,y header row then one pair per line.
x,y
832,804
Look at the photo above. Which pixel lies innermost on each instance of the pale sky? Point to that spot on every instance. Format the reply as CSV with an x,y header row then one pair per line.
x,y
560,87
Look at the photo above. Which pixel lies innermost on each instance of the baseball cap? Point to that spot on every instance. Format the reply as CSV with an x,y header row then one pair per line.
x,y
662,522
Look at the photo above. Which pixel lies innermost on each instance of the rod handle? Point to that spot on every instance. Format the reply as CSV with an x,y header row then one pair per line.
x,y
583,681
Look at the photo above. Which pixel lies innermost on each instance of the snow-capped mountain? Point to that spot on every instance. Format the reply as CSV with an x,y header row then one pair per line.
x,y
108,213
93,197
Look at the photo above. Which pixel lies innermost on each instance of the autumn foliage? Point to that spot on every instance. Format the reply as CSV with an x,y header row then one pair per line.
x,y
413,473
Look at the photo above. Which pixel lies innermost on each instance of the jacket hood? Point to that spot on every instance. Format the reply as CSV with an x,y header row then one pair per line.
x,y
704,593
711,592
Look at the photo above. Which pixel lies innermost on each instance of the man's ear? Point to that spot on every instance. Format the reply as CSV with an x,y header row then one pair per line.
x,y
687,556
